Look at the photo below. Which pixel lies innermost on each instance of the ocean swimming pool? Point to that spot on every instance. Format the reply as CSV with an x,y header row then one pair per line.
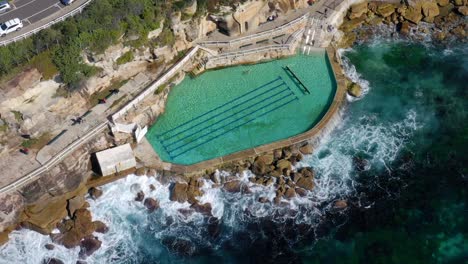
x,y
232,109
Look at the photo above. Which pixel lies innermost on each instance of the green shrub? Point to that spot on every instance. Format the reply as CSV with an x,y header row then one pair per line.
x,y
126,57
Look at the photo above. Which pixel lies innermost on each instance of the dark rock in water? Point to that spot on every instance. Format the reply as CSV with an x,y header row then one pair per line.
x,y
140,196
360,164
263,200
179,246
290,193
95,192
100,227
236,186
341,204
89,245
81,262
49,246
305,183
301,192
307,172
202,208
151,204
179,192
214,228
152,187
185,212
52,261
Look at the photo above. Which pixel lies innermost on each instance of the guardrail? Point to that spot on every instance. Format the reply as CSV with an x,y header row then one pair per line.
x,y
49,24
53,161
262,34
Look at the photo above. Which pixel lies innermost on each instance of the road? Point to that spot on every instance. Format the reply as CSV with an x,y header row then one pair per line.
x,y
31,11
37,14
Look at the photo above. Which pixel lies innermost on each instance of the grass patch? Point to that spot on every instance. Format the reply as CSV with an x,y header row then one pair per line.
x,y
4,127
18,115
117,102
37,143
126,57
94,98
44,64
61,92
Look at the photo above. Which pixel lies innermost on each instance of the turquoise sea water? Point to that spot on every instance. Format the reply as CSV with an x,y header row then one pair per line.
x,y
232,109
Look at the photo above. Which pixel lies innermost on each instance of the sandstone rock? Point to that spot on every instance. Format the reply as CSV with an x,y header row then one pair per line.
x,y
430,9
349,25
405,28
179,192
440,36
202,208
263,200
140,196
151,204
307,172
233,186
287,152
354,89
306,149
459,32
52,261
290,193
267,158
259,167
49,246
100,227
358,10
305,183
463,10
277,200
301,192
385,9
95,192
283,165
413,14
89,245
340,204
74,203
443,2
277,154
459,2
141,171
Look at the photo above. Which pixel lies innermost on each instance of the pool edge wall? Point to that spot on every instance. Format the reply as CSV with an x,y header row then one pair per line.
x,y
326,124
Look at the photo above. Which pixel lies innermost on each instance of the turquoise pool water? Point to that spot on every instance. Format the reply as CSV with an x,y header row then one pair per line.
x,y
232,109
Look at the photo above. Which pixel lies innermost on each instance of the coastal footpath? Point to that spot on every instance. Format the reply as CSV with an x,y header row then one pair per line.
x,y
62,197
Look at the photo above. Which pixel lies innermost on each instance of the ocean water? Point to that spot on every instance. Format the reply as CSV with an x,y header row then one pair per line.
x,y
242,107
398,158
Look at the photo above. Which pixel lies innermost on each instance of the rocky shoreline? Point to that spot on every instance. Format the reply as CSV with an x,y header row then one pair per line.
x,y
443,20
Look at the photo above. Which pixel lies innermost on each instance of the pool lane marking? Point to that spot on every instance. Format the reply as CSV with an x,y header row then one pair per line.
x,y
217,122
211,139
233,107
235,99
261,108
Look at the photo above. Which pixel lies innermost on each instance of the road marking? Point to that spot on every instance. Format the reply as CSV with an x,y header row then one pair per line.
x,y
41,12
58,5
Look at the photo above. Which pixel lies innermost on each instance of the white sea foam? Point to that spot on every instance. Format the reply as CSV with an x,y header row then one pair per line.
x,y
351,72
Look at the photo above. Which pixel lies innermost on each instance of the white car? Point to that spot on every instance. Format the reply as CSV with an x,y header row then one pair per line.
x,y
10,26
4,6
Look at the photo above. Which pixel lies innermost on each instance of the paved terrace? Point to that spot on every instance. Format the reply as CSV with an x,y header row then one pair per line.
x,y
17,173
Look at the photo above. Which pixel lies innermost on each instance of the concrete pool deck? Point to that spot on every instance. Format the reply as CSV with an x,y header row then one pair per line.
x,y
312,135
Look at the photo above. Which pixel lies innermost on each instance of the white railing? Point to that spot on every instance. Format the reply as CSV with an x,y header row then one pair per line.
x,y
32,176
49,24
259,35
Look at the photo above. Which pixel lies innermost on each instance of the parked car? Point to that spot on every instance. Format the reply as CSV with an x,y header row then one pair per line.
x,y
66,2
10,26
4,6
